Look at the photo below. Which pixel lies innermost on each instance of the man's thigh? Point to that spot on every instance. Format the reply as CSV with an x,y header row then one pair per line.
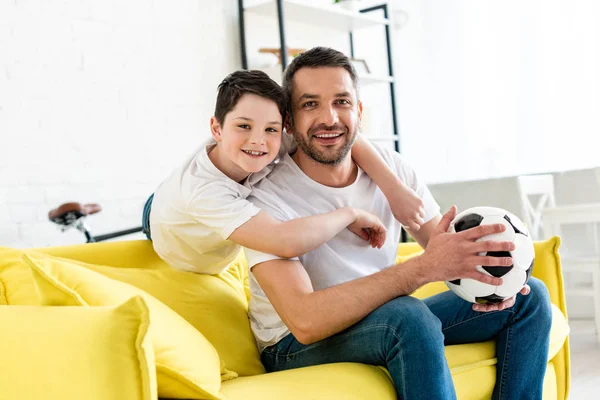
x,y
460,324
369,341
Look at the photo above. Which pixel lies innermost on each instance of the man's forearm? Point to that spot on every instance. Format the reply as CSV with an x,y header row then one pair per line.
x,y
348,303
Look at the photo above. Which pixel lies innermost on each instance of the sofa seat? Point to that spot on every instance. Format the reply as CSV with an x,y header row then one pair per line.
x,y
473,369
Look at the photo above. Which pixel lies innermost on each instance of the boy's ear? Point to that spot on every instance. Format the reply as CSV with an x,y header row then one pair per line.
x,y
215,129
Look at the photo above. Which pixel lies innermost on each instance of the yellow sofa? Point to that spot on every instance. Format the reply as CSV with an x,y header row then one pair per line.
x,y
217,307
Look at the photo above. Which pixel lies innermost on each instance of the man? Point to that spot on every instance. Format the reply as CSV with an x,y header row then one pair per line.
x,y
344,302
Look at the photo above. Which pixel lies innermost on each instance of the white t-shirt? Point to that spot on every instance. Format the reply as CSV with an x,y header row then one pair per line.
x,y
197,208
287,193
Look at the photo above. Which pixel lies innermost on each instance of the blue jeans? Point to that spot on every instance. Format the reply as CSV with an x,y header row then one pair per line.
x,y
408,335
146,217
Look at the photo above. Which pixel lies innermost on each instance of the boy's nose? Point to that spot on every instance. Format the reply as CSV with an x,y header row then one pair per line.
x,y
257,137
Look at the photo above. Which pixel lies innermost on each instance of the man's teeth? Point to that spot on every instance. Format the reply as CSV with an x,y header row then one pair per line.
x,y
329,135
254,153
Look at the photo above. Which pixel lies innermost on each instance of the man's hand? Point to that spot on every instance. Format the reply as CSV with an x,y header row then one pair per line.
x,y
450,256
406,206
503,305
368,227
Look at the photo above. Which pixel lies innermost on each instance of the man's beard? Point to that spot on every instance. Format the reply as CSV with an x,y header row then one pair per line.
x,y
332,157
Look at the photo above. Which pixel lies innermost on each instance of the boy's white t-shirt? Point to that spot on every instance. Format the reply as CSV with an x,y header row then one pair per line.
x,y
288,193
197,208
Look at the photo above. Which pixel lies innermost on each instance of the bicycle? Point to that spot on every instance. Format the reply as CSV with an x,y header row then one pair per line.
x,y
72,215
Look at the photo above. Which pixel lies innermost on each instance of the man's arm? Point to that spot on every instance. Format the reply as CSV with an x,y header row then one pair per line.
x,y
314,315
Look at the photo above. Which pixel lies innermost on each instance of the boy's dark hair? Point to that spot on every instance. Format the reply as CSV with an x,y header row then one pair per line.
x,y
314,58
242,82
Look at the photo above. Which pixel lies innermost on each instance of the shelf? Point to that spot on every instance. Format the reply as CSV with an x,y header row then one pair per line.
x,y
319,15
369,79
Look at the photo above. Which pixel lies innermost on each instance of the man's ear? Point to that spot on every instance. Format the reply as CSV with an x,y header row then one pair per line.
x,y
215,129
287,124
360,110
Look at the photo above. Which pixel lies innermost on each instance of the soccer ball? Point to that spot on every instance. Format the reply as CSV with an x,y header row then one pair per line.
x,y
513,277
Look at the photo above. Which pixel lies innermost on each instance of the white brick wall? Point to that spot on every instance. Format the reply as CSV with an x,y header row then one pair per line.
x,y
98,101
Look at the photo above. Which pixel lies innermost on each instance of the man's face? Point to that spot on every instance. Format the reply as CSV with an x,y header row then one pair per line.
x,y
326,113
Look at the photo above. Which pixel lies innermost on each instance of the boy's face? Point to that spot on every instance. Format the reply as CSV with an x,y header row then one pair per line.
x,y
326,113
250,135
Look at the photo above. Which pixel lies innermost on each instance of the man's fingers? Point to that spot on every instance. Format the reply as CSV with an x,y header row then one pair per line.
x,y
483,278
485,246
444,223
526,290
495,306
482,230
490,261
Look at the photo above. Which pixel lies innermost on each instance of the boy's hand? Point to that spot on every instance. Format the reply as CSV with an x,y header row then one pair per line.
x,y
407,206
368,227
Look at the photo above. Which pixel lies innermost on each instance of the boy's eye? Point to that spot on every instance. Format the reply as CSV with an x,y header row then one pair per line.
x,y
244,126
272,130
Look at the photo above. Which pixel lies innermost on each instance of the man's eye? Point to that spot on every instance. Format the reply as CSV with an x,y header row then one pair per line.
x,y
309,104
244,126
343,101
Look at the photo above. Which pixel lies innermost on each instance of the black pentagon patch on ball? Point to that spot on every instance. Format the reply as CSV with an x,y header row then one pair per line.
x,y
492,298
498,271
528,272
467,222
456,281
506,217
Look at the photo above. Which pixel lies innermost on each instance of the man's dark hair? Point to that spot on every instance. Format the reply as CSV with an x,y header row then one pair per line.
x,y
314,58
242,82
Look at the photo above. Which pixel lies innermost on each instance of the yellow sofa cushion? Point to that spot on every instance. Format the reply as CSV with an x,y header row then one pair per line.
x,y
348,381
16,284
61,353
187,365
215,305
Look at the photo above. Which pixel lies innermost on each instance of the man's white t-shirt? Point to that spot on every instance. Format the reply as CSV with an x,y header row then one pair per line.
x,y
288,193
197,208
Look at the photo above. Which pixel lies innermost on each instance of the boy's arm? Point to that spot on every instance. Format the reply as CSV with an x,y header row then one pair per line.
x,y
300,235
404,202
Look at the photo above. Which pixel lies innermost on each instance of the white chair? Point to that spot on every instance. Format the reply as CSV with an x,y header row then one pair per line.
x,y
588,262
536,193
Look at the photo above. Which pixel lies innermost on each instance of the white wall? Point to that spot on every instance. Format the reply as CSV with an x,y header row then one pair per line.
x,y
498,88
99,100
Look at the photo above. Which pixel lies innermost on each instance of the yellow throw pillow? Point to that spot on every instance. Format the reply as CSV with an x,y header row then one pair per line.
x,y
16,285
187,365
58,353
215,305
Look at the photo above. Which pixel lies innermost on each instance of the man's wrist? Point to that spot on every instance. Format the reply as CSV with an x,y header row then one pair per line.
x,y
415,273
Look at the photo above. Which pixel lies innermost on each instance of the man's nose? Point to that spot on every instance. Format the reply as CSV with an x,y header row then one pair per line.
x,y
329,116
